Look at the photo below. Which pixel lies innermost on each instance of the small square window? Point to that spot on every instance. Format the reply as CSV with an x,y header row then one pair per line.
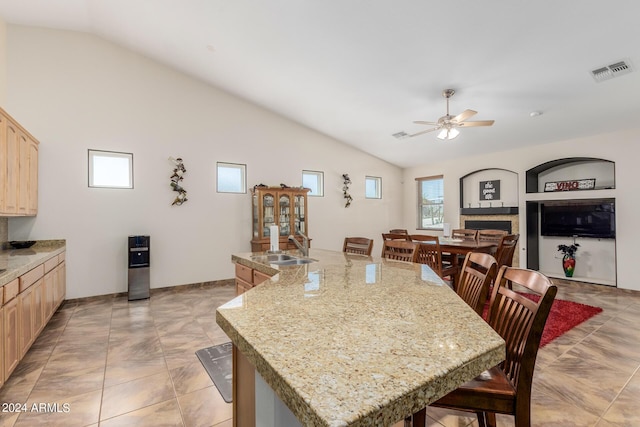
x,y
231,178
110,169
315,181
373,187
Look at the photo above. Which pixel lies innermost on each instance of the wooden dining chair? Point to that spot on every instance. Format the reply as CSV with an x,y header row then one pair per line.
x,y
491,235
429,253
400,250
398,231
506,388
394,236
478,272
464,234
357,245
506,249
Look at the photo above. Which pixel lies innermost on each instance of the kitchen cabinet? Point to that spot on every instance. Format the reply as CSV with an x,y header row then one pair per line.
x,y
18,169
284,207
247,278
11,328
28,303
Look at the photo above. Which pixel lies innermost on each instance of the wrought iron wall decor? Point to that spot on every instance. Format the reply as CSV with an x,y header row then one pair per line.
x,y
178,172
345,190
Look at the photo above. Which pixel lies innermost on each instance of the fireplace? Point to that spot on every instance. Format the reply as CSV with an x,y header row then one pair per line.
x,y
488,225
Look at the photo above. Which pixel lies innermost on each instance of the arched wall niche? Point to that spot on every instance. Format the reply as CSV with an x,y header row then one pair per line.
x,y
475,201
571,168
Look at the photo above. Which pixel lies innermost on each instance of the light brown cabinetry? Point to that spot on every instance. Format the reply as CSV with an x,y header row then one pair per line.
x,y
29,302
284,207
247,278
18,169
11,328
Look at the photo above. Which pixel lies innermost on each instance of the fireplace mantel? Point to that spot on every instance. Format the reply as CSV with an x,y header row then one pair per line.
x,y
506,210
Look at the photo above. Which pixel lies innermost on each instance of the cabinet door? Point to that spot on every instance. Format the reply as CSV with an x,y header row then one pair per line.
x,y
2,347
300,213
25,309
284,214
269,213
23,181
11,337
242,286
3,162
61,285
47,294
33,178
38,307
12,170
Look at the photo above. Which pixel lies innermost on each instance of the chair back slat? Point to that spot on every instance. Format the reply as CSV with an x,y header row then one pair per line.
x,y
357,245
506,249
520,320
464,233
478,273
400,250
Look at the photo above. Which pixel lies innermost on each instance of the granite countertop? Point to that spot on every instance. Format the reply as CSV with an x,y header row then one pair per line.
x,y
357,341
16,262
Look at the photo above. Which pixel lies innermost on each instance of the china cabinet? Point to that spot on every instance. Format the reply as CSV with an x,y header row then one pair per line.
x,y
284,207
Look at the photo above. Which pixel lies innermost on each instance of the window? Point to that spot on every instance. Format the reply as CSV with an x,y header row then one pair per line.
x,y
231,178
315,181
110,169
373,187
430,202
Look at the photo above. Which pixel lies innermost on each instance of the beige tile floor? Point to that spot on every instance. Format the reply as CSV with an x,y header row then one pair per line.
x,y
120,363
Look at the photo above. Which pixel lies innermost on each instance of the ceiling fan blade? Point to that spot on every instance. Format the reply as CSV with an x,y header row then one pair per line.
x,y
464,115
422,122
477,123
424,131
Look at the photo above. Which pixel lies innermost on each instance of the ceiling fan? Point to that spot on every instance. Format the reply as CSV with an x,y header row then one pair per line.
x,y
447,124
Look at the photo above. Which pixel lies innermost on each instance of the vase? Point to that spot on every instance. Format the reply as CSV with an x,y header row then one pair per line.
x,y
568,265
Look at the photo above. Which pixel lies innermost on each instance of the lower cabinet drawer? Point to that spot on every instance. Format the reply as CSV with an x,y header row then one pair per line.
x,y
10,290
245,273
31,277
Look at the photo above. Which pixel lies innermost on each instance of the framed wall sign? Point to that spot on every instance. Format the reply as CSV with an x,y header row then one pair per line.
x,y
490,190
570,185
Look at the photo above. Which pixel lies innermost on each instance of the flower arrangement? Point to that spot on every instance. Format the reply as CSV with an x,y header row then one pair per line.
x,y
569,250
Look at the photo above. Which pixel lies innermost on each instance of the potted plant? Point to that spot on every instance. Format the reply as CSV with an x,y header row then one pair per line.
x,y
569,258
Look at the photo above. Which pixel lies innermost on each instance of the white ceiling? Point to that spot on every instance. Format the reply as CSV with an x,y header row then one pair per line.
x,y
361,70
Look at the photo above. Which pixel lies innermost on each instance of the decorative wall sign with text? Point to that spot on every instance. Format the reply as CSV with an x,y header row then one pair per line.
x,y
571,185
490,190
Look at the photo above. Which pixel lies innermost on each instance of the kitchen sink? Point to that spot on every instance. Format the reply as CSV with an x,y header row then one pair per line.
x,y
282,259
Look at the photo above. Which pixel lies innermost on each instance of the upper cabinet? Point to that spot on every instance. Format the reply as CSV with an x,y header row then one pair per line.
x,y
18,169
284,207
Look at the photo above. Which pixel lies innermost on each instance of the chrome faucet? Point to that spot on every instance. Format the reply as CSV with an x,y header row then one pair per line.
x,y
304,248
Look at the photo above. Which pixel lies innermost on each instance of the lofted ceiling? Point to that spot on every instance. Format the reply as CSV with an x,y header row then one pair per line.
x,y
361,70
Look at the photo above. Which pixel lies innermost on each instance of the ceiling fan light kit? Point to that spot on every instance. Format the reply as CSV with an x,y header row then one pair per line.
x,y
447,124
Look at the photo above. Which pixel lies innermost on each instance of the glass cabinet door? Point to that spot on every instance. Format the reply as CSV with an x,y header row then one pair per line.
x,y
268,213
299,215
256,224
285,205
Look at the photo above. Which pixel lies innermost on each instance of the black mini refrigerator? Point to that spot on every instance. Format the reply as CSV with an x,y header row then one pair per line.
x,y
139,249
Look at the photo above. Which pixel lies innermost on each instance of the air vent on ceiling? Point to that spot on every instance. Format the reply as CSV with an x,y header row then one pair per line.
x,y
610,71
400,135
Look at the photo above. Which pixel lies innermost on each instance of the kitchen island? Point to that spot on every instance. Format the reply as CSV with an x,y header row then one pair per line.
x,y
352,340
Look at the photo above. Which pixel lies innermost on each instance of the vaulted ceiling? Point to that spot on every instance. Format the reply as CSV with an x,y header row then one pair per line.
x,y
361,70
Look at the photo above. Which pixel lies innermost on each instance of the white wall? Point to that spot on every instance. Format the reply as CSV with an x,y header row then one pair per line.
x,y
620,147
74,91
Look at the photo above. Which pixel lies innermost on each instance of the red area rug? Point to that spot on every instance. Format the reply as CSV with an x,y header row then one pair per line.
x,y
564,316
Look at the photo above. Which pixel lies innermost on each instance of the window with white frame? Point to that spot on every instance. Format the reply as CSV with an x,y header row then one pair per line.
x,y
110,169
430,202
231,178
313,180
373,187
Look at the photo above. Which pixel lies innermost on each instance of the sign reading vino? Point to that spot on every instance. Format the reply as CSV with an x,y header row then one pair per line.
x,y
490,190
571,185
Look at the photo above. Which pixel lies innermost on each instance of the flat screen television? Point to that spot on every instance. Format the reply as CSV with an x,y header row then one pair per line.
x,y
581,219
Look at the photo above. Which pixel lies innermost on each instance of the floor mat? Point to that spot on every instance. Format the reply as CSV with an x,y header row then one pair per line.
x,y
217,362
